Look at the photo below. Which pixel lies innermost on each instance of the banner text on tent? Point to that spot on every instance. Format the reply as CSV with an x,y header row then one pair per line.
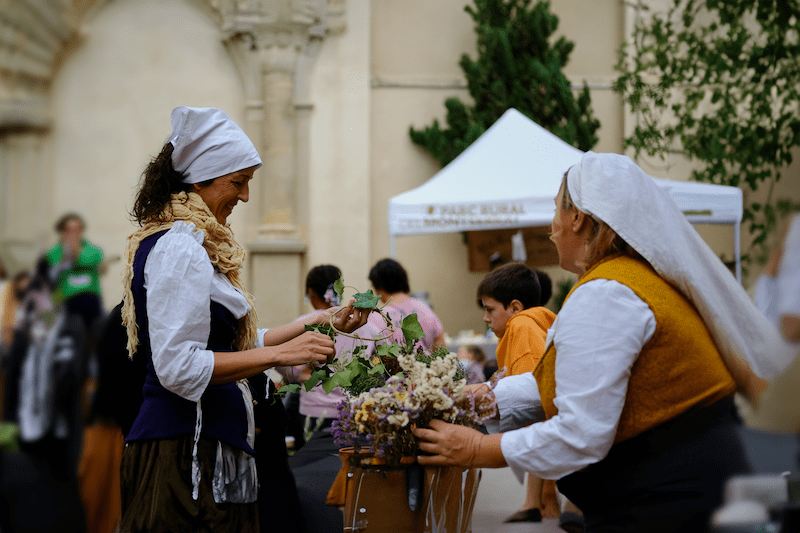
x,y
471,214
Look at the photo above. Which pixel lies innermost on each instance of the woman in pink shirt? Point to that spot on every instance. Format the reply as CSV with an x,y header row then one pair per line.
x,y
390,281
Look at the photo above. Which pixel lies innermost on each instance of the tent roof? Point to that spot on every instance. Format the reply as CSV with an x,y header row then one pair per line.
x,y
508,179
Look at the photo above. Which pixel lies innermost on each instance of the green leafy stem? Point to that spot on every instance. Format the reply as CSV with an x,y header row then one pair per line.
x,y
359,373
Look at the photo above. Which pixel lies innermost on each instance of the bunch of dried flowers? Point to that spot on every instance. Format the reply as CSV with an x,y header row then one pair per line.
x,y
425,387
399,387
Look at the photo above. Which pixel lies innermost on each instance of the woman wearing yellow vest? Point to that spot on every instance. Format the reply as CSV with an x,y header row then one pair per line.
x,y
634,395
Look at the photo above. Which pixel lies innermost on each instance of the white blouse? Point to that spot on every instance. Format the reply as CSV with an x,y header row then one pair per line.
x,y
598,335
180,283
789,272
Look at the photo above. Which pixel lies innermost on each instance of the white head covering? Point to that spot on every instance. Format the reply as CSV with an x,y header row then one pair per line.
x,y
207,144
612,188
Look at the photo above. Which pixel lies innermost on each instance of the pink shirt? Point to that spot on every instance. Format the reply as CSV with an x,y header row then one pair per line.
x,y
430,323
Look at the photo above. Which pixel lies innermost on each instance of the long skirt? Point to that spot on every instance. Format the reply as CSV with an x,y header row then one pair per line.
x,y
667,479
156,477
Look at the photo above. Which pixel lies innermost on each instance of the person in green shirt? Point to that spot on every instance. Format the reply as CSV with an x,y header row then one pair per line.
x,y
73,270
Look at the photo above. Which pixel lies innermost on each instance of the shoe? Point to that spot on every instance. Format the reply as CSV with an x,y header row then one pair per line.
x,y
526,515
571,522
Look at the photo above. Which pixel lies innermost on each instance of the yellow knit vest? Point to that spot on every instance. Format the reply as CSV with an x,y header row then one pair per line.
x,y
679,368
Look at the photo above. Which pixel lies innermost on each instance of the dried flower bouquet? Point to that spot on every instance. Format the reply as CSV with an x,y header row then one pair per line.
x,y
397,388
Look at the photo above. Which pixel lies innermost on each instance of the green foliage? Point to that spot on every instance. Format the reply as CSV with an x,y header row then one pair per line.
x,y
516,67
338,287
412,330
719,81
360,373
366,300
325,329
9,437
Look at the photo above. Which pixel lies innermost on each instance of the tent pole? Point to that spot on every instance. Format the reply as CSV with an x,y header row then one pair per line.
x,y
737,251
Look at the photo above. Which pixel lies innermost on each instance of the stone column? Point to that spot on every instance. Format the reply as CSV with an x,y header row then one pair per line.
x,y
34,38
271,41
279,201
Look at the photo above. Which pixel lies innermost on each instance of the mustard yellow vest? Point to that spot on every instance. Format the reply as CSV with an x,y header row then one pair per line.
x,y
679,367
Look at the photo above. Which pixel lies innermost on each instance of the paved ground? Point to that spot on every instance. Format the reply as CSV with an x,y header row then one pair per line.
x,y
499,496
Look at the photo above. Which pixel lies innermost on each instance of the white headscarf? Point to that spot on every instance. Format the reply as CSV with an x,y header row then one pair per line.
x,y
207,144
612,188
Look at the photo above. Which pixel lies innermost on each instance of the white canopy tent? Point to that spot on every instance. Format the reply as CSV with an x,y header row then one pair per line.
x,y
508,179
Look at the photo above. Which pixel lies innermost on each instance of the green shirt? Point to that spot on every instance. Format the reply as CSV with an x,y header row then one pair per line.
x,y
83,276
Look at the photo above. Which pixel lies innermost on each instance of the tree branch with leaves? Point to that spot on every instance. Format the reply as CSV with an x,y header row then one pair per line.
x,y
719,82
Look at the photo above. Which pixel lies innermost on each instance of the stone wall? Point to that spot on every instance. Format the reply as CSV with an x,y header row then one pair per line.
x,y
327,90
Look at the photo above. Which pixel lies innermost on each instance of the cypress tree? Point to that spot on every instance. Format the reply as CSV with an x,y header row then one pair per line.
x,y
516,67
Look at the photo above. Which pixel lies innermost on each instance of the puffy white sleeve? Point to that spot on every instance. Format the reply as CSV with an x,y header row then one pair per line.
x,y
518,402
178,281
766,297
788,293
598,335
260,337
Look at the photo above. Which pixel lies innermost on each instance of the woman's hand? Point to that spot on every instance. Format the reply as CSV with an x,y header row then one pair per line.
x,y
309,347
351,318
346,319
456,445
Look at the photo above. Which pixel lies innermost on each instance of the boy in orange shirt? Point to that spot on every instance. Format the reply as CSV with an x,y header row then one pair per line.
x,y
510,296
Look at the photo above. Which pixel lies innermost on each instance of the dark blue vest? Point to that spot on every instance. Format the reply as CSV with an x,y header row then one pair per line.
x,y
164,414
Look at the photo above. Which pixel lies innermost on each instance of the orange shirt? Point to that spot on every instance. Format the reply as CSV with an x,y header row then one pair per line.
x,y
522,345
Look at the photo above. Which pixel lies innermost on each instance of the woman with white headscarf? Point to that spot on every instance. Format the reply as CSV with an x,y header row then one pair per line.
x,y
189,463
634,395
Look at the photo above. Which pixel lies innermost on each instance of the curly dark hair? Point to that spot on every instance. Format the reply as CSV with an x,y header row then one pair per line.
x,y
320,278
159,182
390,276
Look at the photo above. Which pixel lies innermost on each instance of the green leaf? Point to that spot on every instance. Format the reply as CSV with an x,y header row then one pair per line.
x,y
336,380
412,330
366,300
345,377
286,389
322,328
338,287
391,349
377,369
317,375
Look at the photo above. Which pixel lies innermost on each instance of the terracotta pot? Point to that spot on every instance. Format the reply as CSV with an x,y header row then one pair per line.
x,y
376,496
